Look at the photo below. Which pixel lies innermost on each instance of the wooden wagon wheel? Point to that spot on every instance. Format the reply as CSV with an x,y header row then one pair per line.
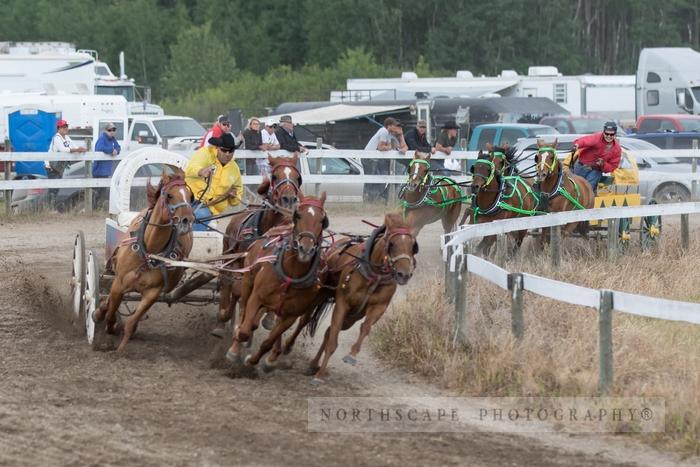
x,y
623,232
77,280
91,296
649,229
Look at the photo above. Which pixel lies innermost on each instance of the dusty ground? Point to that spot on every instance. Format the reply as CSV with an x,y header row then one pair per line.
x,y
162,404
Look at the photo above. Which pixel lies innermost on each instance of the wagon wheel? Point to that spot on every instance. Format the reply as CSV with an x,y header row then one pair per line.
x,y
92,295
649,229
77,280
623,233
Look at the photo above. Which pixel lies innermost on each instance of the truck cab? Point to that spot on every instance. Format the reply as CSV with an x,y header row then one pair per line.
x,y
500,133
668,81
180,133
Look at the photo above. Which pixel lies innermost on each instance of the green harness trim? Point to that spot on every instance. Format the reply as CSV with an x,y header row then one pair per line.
x,y
560,189
437,188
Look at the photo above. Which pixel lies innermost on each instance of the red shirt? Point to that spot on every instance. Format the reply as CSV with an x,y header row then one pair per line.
x,y
215,132
593,147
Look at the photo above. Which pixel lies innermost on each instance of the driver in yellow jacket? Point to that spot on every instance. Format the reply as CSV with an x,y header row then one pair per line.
x,y
214,178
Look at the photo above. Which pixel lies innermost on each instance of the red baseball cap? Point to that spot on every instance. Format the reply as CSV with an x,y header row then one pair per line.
x,y
61,123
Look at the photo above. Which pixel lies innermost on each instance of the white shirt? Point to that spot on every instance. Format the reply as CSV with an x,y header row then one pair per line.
x,y
59,144
268,138
382,135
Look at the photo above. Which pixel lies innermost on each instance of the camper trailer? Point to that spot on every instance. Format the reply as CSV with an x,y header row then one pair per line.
x,y
55,68
668,81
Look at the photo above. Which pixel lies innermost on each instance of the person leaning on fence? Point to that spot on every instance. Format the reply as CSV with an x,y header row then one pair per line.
x,y
387,138
62,144
270,143
215,180
252,138
598,153
286,137
446,141
107,143
221,126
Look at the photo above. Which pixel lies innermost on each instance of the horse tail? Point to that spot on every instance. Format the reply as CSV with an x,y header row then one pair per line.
x,y
319,311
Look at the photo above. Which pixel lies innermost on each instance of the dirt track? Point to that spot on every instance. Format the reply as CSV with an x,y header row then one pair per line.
x,y
162,404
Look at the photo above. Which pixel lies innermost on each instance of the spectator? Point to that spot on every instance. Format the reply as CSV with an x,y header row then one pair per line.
x,y
107,143
270,143
388,138
417,138
446,141
61,143
222,125
253,141
286,137
214,179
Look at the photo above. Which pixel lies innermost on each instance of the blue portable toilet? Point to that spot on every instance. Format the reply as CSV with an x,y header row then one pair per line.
x,y
31,130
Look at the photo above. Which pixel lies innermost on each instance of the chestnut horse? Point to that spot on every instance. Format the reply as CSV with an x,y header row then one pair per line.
x,y
280,192
165,229
559,188
426,198
365,277
496,196
284,276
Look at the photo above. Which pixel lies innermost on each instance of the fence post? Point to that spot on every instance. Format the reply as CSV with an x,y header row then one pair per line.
x,y
515,285
501,245
613,239
8,175
555,244
88,174
392,186
694,169
461,283
685,232
319,165
449,293
605,342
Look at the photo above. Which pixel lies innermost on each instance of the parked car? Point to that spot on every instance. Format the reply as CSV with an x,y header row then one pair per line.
x,y
29,200
499,133
574,124
671,140
670,122
656,175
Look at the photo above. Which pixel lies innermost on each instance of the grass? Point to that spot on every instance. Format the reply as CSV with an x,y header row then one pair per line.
x,y
558,355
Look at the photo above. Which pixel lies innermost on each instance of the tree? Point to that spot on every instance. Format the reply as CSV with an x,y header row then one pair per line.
x,y
199,60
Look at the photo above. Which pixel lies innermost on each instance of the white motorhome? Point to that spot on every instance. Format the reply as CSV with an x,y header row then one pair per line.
x,y
608,95
668,81
58,68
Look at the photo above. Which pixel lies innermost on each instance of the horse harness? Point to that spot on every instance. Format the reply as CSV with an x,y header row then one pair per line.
x,y
559,186
432,186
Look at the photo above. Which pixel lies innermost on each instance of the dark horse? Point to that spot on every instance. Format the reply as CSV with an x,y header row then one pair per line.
x,y
164,229
281,193
496,196
426,198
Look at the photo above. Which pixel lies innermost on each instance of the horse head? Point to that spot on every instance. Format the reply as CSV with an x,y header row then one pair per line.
x,y
546,159
418,170
400,248
170,202
483,172
499,155
284,183
309,222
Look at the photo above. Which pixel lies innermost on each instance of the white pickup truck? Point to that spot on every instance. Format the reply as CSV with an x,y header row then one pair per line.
x,y
180,133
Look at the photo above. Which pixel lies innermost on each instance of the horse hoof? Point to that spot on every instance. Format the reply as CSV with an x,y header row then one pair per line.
x,y
350,360
247,344
268,367
233,357
312,370
246,361
316,382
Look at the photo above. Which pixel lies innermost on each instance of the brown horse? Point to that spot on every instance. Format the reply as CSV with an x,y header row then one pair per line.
x,y
285,276
365,277
165,229
496,196
426,198
280,193
561,189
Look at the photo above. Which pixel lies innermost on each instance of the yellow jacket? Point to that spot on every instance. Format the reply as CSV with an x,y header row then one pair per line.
x,y
223,179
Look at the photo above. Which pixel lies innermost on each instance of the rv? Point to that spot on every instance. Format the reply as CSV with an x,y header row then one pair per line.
x,y
58,68
668,81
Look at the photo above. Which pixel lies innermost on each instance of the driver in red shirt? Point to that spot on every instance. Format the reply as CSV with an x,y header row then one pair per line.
x,y
598,153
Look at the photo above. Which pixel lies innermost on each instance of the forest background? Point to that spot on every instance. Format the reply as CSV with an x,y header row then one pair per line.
x,y
201,57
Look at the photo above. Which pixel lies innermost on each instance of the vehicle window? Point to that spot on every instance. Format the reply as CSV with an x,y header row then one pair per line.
x,y
625,162
126,91
653,77
178,127
562,127
652,98
510,136
681,143
649,125
696,93
667,126
139,127
487,135
638,144
690,124
331,166
587,125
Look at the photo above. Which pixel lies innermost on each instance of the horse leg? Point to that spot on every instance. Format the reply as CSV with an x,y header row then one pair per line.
x,y
449,219
373,314
108,308
246,291
225,305
313,364
485,244
148,298
331,343
281,326
289,343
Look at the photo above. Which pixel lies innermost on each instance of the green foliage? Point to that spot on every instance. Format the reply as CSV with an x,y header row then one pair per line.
x,y
198,60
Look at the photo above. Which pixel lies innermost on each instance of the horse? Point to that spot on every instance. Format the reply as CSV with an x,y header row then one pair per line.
x,y
165,229
365,276
425,198
496,196
561,190
280,191
284,275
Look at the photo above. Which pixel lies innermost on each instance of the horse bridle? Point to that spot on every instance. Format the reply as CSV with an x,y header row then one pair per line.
x,y
427,173
274,192
389,261
297,236
171,207
542,164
